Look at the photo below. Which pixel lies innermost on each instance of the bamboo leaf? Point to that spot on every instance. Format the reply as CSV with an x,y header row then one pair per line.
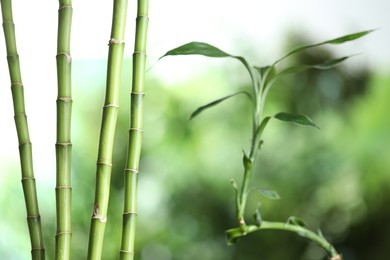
x,y
205,49
214,103
269,194
321,66
296,221
339,40
295,118
261,128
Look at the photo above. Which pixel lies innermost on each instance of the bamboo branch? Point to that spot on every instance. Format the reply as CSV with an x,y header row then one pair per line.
x,y
63,143
107,132
135,132
25,146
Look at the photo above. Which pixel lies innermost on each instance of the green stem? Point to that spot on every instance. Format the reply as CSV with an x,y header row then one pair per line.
x,y
63,143
25,147
256,139
107,131
135,132
234,233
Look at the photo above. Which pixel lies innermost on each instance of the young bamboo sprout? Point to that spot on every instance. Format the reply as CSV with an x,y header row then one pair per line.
x,y
107,131
135,132
262,80
63,144
25,147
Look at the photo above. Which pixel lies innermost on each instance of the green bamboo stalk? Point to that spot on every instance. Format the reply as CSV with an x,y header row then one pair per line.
x,y
135,132
25,147
107,132
235,233
63,143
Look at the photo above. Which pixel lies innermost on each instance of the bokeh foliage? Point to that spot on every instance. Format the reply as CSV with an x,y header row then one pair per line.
x,y
337,178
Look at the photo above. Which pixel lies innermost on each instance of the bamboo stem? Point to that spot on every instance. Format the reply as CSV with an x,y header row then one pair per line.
x,y
107,132
135,132
63,143
235,233
25,146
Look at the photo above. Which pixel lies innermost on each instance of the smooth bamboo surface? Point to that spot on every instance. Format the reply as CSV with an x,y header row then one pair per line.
x,y
135,133
107,132
25,147
63,144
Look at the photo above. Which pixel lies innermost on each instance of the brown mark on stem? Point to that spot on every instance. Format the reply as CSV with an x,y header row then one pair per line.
x,y
96,215
337,257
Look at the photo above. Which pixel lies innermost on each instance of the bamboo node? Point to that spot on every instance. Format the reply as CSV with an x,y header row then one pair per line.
x,y
132,170
8,21
67,56
137,93
38,249
140,52
96,215
112,105
24,143
63,187
64,6
65,99
20,114
63,233
126,252
136,129
104,163
34,217
64,144
16,84
130,213
115,41
28,179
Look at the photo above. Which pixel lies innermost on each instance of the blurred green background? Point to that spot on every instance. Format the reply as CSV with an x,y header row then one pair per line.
x,y
336,179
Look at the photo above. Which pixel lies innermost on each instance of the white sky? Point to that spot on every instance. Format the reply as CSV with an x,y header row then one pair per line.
x,y
224,23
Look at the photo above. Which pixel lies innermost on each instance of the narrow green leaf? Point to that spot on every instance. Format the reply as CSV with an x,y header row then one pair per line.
x,y
330,63
214,103
321,66
269,194
339,40
205,49
257,216
349,37
295,118
296,221
199,48
260,128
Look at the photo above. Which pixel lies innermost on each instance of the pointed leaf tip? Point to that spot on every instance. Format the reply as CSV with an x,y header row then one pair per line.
x,y
199,48
214,103
295,118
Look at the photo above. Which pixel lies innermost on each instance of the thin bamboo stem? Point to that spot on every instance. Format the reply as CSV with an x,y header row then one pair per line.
x,y
25,147
235,233
107,132
135,132
63,143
